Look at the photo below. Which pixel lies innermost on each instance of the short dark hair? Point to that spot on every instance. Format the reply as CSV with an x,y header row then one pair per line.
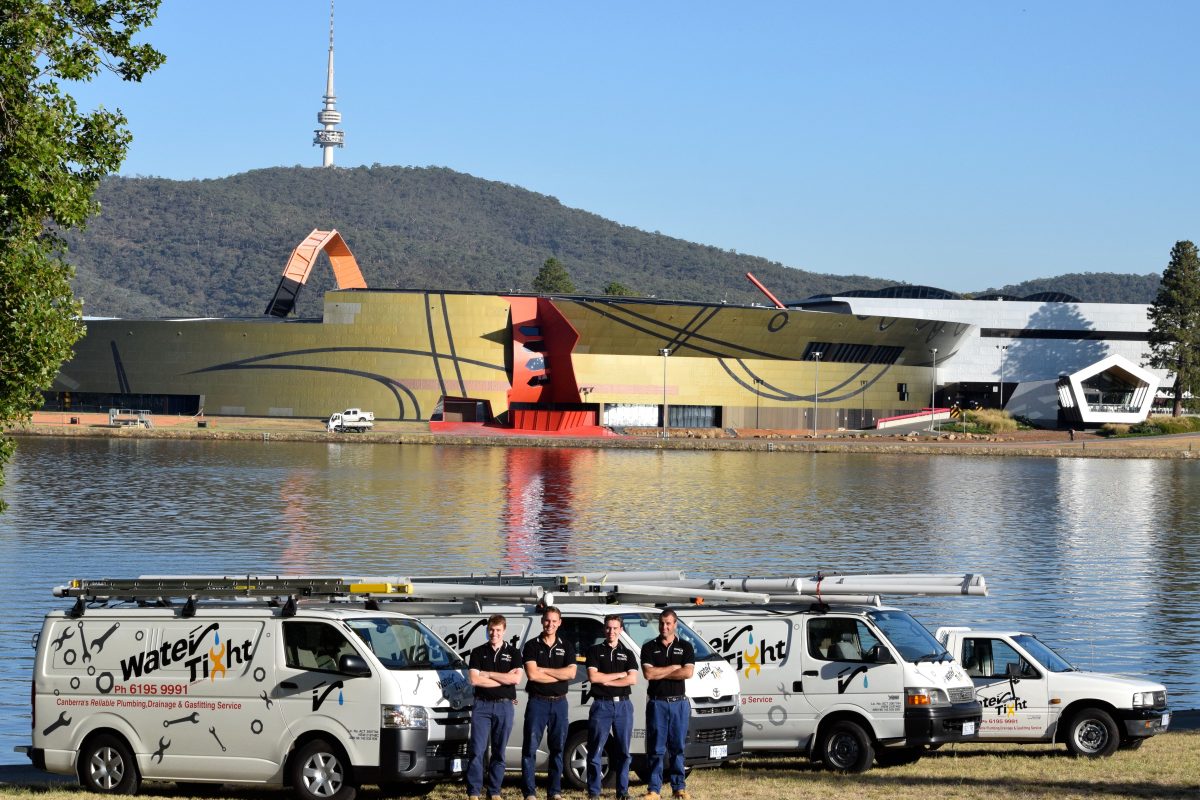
x,y
668,612
614,618
551,610
497,619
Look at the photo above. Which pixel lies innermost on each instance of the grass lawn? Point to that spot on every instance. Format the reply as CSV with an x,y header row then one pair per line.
x,y
1166,767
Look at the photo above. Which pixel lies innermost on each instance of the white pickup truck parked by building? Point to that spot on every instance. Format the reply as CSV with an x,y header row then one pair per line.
x,y
1032,694
352,420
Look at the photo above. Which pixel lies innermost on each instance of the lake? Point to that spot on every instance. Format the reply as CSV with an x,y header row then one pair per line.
x,y
1100,558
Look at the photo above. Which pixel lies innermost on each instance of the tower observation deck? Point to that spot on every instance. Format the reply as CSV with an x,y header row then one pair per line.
x,y
329,137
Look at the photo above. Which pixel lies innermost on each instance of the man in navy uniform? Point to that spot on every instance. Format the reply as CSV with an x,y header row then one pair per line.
x,y
667,661
612,668
550,666
495,672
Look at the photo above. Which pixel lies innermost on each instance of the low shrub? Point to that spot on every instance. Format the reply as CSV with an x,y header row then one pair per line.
x,y
1159,425
993,420
1114,429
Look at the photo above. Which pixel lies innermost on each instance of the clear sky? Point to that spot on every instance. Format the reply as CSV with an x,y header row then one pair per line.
x,y
957,144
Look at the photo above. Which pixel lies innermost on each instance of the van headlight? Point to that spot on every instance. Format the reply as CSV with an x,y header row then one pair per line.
x,y
405,717
1149,699
925,696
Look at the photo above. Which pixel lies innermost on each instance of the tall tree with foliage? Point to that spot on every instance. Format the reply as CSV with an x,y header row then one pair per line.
x,y
553,278
1175,318
52,157
617,289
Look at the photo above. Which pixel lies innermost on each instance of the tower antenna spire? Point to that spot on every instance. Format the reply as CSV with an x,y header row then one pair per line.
x,y
329,137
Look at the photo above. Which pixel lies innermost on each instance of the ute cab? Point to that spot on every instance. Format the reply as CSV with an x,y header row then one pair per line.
x,y
1032,694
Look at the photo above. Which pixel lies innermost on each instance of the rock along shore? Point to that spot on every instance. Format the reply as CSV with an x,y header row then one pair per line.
x,y
1035,444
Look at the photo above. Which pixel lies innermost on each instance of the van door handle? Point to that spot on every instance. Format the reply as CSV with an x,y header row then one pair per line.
x,y
811,672
289,685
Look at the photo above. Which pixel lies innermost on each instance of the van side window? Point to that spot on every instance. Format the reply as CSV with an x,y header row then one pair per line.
x,y
314,646
990,658
839,639
583,633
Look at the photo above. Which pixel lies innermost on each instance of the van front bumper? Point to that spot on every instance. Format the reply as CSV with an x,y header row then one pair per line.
x,y
1144,722
942,724
713,740
408,755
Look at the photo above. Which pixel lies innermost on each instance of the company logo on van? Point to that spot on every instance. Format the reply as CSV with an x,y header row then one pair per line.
x,y
207,663
746,654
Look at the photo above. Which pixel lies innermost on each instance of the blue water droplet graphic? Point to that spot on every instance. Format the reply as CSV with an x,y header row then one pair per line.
x,y
341,702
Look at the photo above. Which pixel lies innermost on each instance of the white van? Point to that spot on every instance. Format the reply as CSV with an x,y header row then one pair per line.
x,y
846,684
714,733
1032,694
318,696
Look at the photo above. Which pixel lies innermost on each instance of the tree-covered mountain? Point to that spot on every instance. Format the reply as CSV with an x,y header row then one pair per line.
x,y
217,247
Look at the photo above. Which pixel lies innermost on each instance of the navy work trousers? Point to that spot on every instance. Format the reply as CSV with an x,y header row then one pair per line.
x,y
615,716
541,714
491,723
666,735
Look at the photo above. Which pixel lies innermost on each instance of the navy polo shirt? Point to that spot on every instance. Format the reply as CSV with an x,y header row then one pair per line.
x,y
657,654
603,658
560,654
486,658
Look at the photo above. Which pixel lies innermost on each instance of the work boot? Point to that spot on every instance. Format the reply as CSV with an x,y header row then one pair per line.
x,y
472,797
681,794
650,796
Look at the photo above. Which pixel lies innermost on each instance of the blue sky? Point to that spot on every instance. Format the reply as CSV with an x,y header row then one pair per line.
x,y
958,144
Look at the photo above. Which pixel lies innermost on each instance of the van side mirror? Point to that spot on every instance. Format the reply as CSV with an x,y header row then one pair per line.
x,y
1013,670
354,666
880,655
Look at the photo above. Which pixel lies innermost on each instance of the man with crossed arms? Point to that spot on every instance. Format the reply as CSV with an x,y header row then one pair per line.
x,y
612,668
667,661
494,672
550,666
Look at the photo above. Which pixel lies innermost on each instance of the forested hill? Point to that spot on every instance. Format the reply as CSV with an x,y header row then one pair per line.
x,y
1092,287
217,247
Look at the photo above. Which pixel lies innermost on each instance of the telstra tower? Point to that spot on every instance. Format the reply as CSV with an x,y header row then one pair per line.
x,y
329,137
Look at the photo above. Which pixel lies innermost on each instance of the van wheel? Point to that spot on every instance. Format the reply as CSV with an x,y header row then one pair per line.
x,y
106,766
575,762
319,771
1092,734
846,747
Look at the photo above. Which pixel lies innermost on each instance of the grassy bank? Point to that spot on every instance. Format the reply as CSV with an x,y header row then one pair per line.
x,y
1166,767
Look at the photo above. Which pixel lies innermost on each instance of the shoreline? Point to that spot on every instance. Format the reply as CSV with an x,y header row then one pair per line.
x,y
1026,444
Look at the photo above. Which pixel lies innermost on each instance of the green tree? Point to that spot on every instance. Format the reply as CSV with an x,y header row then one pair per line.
x,y
553,278
617,289
52,158
1175,317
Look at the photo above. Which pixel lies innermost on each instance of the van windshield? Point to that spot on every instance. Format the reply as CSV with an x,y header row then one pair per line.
x,y
404,644
644,627
909,636
1048,658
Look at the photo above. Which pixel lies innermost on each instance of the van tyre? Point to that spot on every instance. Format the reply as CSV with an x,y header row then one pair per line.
x,y
319,771
846,747
1092,734
575,762
106,766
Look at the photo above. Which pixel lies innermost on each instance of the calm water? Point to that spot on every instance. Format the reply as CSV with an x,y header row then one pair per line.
x,y
1099,558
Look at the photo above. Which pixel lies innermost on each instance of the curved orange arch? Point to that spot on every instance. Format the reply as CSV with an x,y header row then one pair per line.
x,y
345,269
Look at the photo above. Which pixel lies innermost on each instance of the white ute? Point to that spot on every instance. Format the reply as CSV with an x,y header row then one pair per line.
x,y
259,682
352,420
1032,694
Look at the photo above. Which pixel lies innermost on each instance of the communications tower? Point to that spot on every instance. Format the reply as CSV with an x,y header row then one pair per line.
x,y
329,136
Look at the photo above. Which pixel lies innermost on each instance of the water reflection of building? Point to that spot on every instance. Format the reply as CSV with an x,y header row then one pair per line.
x,y
539,514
